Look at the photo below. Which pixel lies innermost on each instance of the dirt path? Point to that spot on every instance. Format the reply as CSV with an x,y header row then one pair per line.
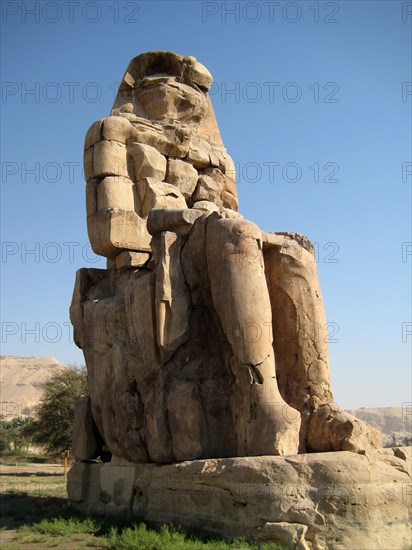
x,y
31,469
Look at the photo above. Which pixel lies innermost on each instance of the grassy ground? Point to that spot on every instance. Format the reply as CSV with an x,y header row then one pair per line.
x,y
34,515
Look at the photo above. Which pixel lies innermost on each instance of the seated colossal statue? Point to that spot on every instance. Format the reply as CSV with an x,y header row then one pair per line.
x,y
205,336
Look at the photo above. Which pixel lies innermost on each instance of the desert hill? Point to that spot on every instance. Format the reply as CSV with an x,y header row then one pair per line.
x,y
390,421
21,379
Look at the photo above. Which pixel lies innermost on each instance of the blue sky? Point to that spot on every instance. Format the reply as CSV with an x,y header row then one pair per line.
x,y
313,101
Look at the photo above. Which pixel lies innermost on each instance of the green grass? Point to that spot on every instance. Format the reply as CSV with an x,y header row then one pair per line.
x,y
54,531
140,536
41,522
85,532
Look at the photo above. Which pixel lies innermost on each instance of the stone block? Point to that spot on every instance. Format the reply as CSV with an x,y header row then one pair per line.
x,y
117,128
91,196
147,162
94,134
186,420
210,185
132,260
183,175
141,319
112,231
229,201
323,501
87,443
179,221
85,279
88,164
229,170
83,485
109,159
172,300
117,486
116,192
207,206
198,154
160,195
169,141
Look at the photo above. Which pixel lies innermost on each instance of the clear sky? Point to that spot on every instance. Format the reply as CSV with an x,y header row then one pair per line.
x,y
313,100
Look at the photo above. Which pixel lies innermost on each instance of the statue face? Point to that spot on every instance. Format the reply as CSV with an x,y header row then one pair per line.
x,y
165,99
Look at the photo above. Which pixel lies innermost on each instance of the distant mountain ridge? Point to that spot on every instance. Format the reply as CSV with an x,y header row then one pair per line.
x,y
391,421
21,379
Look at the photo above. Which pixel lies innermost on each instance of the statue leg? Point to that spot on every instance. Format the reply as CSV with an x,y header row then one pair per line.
x,y
299,329
265,423
301,350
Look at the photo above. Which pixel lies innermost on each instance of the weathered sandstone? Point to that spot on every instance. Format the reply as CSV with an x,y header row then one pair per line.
x,y
318,501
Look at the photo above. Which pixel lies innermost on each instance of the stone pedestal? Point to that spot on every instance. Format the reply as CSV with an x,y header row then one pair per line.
x,y
314,501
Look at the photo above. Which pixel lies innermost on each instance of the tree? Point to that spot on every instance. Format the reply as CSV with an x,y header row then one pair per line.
x,y
12,437
53,426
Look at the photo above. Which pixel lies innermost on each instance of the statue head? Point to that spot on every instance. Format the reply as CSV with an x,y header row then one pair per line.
x,y
165,87
169,88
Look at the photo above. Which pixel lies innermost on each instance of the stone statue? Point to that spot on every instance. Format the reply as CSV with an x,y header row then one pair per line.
x,y
205,336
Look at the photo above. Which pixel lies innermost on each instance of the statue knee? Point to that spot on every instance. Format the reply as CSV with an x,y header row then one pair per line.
x,y
229,237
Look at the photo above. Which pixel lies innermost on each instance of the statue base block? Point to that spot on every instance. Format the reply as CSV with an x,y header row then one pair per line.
x,y
336,500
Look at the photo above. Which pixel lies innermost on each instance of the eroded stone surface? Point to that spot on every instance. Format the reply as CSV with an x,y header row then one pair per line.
x,y
210,186
87,443
326,501
183,175
205,337
132,260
